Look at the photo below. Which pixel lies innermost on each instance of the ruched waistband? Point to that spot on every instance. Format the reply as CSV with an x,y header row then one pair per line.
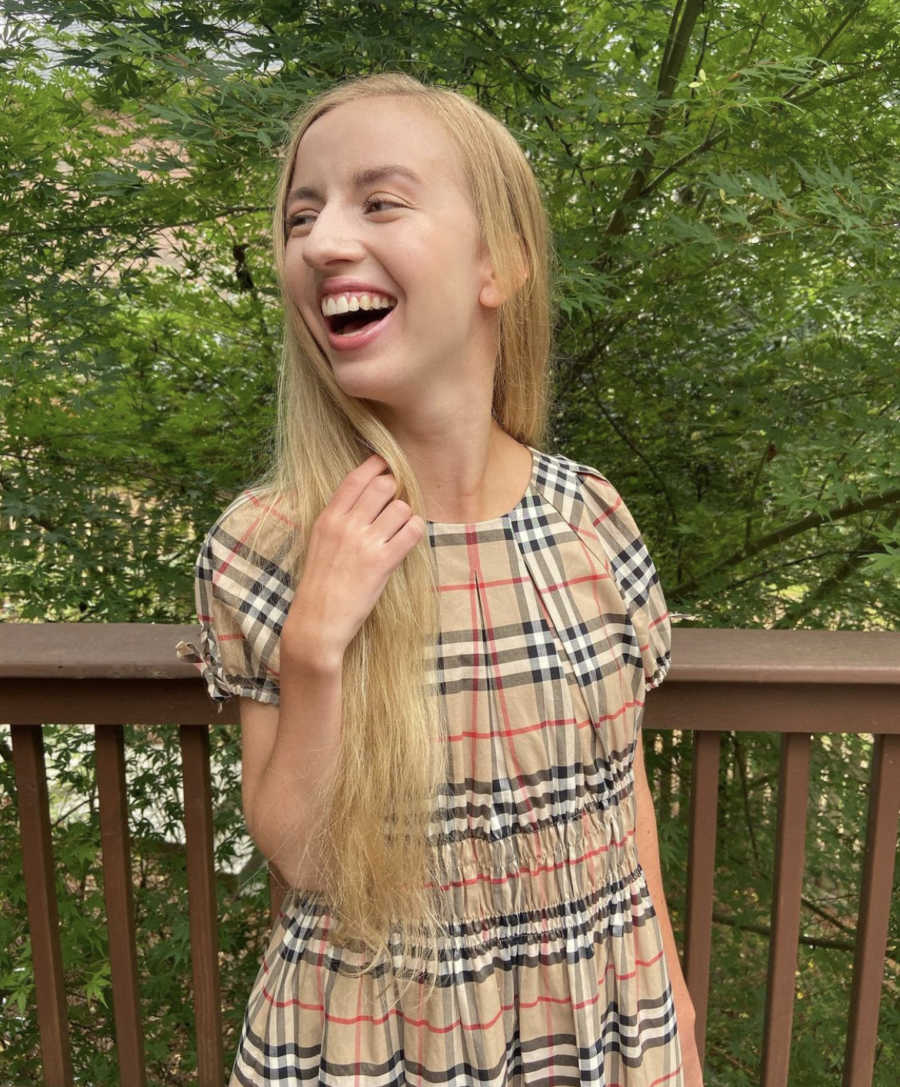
x,y
559,863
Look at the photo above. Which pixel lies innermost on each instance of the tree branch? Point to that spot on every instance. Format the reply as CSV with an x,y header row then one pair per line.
x,y
145,230
679,36
829,41
764,930
705,145
645,460
778,567
857,557
741,760
786,532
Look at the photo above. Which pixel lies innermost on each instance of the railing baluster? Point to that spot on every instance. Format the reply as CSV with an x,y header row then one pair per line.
x,y
874,911
793,793
43,910
198,827
117,889
701,873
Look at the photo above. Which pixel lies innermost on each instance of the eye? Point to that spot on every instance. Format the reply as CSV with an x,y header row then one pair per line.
x,y
381,203
300,220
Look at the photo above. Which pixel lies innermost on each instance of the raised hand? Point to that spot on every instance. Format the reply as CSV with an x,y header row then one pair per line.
x,y
358,539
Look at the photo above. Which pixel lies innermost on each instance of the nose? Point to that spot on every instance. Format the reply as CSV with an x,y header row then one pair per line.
x,y
331,239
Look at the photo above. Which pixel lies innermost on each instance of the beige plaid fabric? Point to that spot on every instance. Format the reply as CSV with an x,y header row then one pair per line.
x,y
553,629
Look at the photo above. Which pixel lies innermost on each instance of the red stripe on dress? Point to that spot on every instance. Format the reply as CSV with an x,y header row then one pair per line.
x,y
668,1075
482,878
611,510
498,680
473,713
379,1020
264,509
658,620
269,508
232,553
466,586
357,1048
540,725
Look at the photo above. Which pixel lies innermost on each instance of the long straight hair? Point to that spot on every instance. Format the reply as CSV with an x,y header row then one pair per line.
x,y
379,872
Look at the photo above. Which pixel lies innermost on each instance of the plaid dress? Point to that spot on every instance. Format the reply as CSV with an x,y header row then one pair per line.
x,y
553,628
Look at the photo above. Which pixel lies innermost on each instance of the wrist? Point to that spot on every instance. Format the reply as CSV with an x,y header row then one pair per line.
x,y
303,650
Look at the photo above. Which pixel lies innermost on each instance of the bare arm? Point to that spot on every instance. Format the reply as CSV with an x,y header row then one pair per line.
x,y
288,754
290,751
648,853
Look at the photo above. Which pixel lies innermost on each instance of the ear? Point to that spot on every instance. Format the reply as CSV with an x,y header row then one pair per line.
x,y
489,295
492,294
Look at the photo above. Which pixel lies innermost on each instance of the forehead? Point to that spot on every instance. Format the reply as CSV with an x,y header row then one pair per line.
x,y
357,136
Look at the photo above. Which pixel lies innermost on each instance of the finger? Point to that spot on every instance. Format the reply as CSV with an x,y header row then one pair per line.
x,y
380,491
391,519
404,540
354,483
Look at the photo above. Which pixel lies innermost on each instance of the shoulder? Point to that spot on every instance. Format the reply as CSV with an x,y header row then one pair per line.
x,y
576,490
255,522
243,590
593,507
252,511
597,513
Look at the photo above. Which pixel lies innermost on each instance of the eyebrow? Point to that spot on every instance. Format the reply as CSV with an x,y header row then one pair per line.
x,y
361,179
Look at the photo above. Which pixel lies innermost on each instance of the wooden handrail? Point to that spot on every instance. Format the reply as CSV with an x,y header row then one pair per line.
x,y
795,683
132,651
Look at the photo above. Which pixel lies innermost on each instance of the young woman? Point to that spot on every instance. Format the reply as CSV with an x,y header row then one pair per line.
x,y
442,638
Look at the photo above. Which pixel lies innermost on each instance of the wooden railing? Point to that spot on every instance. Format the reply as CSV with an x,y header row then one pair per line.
x,y
793,683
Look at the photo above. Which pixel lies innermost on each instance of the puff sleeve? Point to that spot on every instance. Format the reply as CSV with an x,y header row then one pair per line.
x,y
634,572
243,589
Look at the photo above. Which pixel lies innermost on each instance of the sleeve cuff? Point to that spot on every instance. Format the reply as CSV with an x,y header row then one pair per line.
x,y
221,686
662,670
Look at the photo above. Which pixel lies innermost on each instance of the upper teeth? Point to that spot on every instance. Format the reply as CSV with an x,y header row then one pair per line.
x,y
347,303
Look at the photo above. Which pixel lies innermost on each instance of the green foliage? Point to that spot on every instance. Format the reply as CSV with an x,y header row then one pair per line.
x,y
725,225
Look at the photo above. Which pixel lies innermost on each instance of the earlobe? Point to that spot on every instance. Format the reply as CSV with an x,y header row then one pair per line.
x,y
491,296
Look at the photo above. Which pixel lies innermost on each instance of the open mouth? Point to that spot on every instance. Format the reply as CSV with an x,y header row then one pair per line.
x,y
348,313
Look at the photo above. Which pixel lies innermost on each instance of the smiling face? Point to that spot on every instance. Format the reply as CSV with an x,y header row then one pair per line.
x,y
384,258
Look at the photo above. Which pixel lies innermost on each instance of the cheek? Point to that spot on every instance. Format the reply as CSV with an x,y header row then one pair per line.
x,y
296,276
447,263
297,283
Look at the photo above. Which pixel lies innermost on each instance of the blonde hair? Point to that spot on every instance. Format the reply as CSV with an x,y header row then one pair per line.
x,y
378,870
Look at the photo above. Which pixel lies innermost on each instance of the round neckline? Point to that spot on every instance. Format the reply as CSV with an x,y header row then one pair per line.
x,y
492,521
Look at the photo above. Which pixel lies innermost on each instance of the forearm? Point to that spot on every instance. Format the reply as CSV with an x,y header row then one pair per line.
x,y
647,842
648,853
284,813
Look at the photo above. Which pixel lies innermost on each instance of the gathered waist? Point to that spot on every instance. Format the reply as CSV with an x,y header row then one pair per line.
x,y
549,866
548,870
